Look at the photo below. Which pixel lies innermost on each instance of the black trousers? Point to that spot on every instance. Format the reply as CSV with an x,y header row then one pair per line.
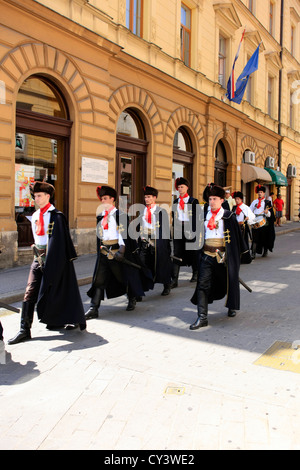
x,y
260,239
209,269
181,248
33,283
147,256
107,271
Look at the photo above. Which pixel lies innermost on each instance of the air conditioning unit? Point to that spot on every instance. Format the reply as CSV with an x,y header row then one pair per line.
x,y
270,162
291,171
249,157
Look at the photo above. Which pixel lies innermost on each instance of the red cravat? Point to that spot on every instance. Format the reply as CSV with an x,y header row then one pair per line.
x,y
238,209
105,219
212,223
181,202
259,203
40,229
148,216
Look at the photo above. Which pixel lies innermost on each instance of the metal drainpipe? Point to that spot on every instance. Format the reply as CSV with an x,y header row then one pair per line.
x,y
280,93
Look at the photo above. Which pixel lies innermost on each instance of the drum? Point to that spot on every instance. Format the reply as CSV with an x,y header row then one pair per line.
x,y
259,222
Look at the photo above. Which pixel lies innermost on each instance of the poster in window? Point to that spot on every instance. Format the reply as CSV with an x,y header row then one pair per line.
x,y
24,176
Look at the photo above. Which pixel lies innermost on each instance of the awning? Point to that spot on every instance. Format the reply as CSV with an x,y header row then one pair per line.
x,y
277,177
254,173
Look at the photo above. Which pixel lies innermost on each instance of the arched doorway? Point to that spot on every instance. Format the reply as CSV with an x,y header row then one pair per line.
x,y
131,156
183,158
43,130
221,164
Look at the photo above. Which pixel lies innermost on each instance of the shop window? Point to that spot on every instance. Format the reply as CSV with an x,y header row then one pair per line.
x,y
41,149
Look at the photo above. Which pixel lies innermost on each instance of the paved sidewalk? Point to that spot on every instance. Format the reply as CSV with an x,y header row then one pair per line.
x,y
143,380
13,280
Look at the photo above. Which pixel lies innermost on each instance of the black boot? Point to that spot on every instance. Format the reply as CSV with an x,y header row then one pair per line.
x,y
94,306
253,255
231,312
131,304
265,253
202,311
175,275
167,289
26,322
194,276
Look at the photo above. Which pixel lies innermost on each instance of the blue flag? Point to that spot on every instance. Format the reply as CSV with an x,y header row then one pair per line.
x,y
242,81
230,83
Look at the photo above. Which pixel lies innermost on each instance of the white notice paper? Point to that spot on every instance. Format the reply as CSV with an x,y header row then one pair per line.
x,y
94,171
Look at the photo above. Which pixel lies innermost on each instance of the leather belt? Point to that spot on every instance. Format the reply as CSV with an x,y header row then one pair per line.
x,y
213,249
113,244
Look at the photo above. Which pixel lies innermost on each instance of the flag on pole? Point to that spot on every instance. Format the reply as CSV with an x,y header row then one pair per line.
x,y
230,84
242,81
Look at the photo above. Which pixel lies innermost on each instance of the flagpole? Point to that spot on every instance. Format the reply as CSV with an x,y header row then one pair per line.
x,y
230,84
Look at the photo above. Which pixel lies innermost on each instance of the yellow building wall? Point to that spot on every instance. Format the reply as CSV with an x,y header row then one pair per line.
x,y
102,69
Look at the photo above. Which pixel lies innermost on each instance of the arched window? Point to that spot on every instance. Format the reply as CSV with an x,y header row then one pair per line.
x,y
220,164
41,148
183,158
131,156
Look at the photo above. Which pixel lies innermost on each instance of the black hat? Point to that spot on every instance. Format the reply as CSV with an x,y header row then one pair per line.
x,y
238,194
180,181
42,187
150,191
213,190
260,188
106,191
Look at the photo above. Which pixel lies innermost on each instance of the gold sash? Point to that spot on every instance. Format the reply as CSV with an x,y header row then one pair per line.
x,y
213,244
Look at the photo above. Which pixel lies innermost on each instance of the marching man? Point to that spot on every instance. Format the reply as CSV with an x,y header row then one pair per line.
x,y
219,259
154,240
184,226
263,231
115,272
52,284
245,218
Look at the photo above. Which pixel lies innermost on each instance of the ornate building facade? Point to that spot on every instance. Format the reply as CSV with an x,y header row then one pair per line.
x,y
133,92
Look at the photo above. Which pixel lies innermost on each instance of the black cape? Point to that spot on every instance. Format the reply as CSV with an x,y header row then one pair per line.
x,y
59,300
191,227
227,285
162,246
135,281
246,232
265,237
